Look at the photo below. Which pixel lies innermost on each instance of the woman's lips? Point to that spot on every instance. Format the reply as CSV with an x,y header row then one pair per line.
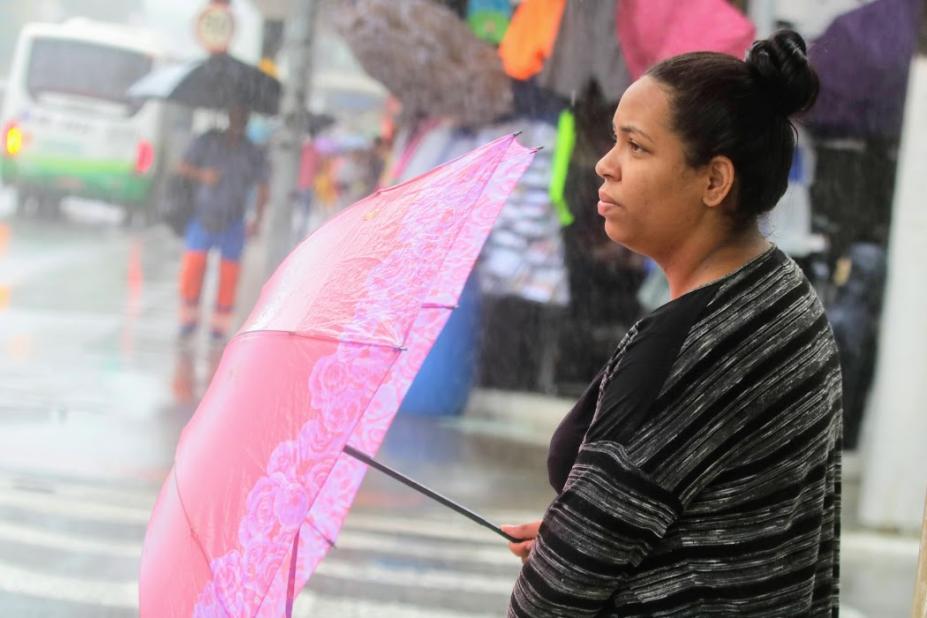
x,y
604,208
605,204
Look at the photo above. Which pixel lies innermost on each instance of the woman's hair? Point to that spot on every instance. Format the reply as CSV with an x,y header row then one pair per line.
x,y
740,109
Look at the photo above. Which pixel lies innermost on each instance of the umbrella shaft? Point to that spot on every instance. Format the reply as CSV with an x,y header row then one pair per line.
x,y
373,463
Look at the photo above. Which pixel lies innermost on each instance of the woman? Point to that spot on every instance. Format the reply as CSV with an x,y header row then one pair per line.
x,y
699,475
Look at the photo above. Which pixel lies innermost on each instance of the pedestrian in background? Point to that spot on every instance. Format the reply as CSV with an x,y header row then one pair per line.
x,y
699,474
225,167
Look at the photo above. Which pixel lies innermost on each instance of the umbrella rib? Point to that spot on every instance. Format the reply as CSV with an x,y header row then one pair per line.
x,y
196,538
325,538
321,337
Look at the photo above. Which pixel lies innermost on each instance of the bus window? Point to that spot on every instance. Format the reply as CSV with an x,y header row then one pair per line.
x,y
84,69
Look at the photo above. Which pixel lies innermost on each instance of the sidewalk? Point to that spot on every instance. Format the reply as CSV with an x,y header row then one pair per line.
x,y
877,567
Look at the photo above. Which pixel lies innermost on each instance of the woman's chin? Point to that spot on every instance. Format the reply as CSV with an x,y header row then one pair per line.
x,y
616,232
621,236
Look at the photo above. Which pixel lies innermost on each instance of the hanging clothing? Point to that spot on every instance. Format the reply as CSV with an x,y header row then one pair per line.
x,y
524,254
854,314
532,102
563,153
530,37
489,19
602,284
852,191
586,50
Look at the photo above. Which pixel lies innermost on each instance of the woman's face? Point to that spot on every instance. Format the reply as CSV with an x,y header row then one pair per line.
x,y
651,198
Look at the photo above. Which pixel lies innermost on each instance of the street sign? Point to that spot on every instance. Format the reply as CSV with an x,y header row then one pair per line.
x,y
214,27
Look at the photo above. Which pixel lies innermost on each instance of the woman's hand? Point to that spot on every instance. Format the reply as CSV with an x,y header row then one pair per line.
x,y
526,532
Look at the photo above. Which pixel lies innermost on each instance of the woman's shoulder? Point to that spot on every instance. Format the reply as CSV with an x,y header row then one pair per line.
x,y
769,297
765,308
760,283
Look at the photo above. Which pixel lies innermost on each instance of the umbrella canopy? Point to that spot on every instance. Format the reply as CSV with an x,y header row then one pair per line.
x,y
862,60
218,82
427,58
260,484
652,30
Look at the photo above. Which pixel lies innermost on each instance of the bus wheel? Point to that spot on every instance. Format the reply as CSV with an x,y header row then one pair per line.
x,y
21,201
49,207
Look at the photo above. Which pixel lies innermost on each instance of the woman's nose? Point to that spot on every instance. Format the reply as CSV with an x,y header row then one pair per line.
x,y
607,166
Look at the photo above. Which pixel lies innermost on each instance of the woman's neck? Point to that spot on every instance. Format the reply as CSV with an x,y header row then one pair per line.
x,y
704,262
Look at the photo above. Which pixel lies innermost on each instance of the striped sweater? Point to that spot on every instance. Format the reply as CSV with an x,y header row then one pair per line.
x,y
701,470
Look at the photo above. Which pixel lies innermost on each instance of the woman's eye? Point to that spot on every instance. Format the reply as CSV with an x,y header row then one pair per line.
x,y
635,147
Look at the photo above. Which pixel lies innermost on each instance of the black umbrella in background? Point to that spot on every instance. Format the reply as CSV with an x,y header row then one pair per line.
x,y
218,82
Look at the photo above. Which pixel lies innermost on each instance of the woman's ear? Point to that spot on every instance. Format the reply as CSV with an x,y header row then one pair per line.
x,y
720,181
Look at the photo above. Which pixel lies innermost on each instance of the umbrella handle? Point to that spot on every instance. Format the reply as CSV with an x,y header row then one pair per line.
x,y
373,463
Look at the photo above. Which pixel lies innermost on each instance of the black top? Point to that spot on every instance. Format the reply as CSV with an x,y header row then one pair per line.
x,y
646,359
699,475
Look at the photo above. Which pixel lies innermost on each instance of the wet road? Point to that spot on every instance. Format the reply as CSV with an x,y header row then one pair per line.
x,y
94,393
93,396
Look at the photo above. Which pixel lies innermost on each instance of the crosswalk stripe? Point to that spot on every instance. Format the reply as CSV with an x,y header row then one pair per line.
x,y
82,508
75,508
363,532
351,540
142,498
110,594
107,593
413,577
71,589
363,541
310,605
35,537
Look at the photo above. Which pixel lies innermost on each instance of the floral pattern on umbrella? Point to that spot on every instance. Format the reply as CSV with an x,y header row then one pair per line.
x,y
325,358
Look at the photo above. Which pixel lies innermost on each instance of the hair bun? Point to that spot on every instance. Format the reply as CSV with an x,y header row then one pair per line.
x,y
780,66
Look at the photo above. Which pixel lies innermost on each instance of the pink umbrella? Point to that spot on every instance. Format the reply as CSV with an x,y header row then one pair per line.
x,y
260,484
652,30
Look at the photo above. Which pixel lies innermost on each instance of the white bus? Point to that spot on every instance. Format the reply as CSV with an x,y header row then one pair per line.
x,y
68,127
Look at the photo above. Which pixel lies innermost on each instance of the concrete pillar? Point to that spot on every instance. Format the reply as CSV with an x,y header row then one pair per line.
x,y
894,438
287,141
920,580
